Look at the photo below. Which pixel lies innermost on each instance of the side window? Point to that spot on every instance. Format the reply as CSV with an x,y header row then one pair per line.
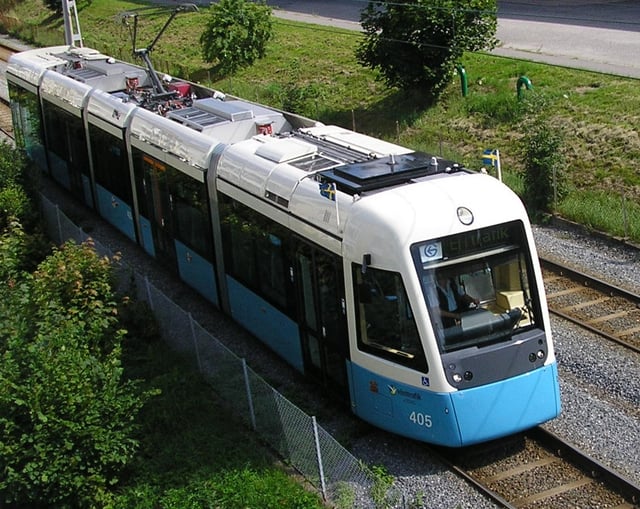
x,y
386,325
56,121
192,222
25,111
110,163
67,148
255,252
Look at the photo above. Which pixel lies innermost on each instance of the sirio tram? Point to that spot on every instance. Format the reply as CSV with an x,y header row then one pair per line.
x,y
405,284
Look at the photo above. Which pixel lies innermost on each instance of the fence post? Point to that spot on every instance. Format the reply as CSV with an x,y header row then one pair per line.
x,y
247,386
59,225
195,341
625,219
323,488
147,286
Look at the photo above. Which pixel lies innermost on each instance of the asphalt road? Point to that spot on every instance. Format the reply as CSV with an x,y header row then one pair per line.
x,y
598,35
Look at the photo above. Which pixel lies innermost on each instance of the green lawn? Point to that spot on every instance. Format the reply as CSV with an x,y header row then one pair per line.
x,y
193,453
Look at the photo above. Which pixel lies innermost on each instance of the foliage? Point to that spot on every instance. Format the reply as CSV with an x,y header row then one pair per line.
x,y
294,95
236,34
495,109
415,44
66,413
14,201
380,492
611,211
544,165
17,212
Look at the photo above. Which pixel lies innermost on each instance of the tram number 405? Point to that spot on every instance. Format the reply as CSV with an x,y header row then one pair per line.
x,y
421,419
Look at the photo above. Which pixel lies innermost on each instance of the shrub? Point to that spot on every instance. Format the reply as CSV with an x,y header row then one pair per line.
x,y
415,44
236,34
66,413
543,176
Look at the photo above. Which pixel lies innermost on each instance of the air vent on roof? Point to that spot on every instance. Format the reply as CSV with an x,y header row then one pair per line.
x,y
285,149
195,118
229,110
207,112
83,74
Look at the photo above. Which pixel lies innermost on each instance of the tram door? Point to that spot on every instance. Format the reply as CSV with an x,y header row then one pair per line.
x,y
157,206
323,317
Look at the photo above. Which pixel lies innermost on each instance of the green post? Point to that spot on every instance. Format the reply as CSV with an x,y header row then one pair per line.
x,y
463,79
523,81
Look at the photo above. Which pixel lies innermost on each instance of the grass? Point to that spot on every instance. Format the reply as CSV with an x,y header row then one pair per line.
x,y
193,454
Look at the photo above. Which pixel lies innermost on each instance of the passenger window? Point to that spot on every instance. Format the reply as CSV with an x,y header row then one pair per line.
x,y
110,163
193,226
386,325
255,252
25,110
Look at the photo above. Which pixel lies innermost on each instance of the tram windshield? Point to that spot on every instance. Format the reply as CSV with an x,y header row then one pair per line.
x,y
478,285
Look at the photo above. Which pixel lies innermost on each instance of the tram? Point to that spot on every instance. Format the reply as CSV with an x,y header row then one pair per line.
x,y
405,284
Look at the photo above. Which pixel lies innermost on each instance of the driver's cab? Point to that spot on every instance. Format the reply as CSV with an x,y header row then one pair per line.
x,y
478,296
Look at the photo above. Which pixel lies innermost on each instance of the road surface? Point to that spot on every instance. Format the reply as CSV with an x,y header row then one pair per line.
x,y
598,35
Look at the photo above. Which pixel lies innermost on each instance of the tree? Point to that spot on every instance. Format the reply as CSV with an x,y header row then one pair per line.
x,y
415,44
236,34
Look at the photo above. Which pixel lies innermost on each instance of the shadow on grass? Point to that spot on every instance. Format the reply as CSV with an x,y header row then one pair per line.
x,y
382,118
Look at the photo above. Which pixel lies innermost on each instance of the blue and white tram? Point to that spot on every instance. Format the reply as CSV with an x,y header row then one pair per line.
x,y
403,282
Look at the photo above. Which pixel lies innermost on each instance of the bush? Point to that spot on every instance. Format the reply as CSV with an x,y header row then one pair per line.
x,y
53,5
543,176
236,34
295,96
415,44
14,200
66,413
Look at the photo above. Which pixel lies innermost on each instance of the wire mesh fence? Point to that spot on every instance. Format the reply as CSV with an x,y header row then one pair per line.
x,y
296,436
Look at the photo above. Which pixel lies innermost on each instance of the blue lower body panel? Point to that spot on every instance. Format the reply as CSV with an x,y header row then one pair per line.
x,y
197,272
116,211
146,234
266,322
458,418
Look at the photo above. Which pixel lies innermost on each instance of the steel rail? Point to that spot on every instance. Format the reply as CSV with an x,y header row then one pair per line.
x,y
589,281
592,469
443,456
628,489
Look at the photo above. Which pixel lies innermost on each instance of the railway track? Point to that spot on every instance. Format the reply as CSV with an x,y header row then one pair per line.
x,y
605,309
538,469
6,127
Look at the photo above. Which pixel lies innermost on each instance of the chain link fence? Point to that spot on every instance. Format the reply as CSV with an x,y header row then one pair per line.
x,y
296,436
